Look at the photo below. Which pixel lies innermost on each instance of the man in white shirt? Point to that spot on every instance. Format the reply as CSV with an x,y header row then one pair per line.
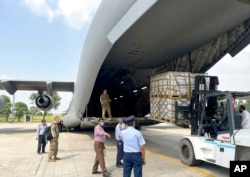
x,y
245,123
119,144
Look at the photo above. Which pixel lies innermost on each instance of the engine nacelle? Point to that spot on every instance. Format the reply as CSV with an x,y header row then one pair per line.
x,y
44,103
2,104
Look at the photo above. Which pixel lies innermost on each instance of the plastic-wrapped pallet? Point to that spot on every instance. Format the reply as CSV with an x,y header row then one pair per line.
x,y
167,88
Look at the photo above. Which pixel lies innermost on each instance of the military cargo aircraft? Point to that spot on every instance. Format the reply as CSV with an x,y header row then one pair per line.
x,y
130,41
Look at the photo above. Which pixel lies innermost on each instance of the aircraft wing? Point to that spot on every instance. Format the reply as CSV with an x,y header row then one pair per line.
x,y
11,86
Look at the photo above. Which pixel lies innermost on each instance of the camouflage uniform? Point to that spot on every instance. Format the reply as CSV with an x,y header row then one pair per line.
x,y
105,102
54,141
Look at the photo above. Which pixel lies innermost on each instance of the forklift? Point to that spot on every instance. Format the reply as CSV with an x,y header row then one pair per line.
x,y
209,142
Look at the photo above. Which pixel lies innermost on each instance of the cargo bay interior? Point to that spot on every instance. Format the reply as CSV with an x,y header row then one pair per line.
x,y
135,59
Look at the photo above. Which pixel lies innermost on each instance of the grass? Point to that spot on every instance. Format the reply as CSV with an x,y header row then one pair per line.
x,y
37,118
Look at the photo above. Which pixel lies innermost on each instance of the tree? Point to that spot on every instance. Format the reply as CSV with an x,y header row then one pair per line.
x,y
56,98
247,105
39,113
33,97
34,110
7,108
21,109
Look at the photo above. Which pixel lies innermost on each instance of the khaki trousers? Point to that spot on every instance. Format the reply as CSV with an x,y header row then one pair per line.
x,y
99,159
106,107
53,148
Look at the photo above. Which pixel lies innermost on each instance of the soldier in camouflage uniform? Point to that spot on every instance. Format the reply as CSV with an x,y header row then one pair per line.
x,y
54,142
105,102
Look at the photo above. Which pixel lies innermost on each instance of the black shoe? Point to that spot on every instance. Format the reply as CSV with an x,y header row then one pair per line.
x,y
106,174
119,165
38,153
96,172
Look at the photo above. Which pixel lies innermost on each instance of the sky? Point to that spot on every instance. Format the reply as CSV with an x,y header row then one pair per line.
x,y
43,39
233,73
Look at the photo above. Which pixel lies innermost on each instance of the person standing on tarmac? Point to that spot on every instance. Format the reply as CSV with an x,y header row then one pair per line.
x,y
100,139
40,137
134,151
245,123
119,144
54,142
105,102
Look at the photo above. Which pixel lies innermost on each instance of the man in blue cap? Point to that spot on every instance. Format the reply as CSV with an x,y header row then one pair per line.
x,y
134,151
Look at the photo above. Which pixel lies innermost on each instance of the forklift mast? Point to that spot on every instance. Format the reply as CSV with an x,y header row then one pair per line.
x,y
198,106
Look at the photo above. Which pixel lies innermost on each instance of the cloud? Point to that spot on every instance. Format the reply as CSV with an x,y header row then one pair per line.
x,y
76,13
42,8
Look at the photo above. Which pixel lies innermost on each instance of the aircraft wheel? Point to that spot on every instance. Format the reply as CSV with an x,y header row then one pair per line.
x,y
60,127
187,153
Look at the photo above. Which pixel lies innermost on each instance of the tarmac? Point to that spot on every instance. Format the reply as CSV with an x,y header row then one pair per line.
x,y
19,158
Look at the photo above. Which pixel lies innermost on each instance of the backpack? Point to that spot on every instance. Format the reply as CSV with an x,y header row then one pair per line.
x,y
47,133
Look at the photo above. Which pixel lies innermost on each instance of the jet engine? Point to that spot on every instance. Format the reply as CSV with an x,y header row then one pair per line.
x,y
44,102
2,104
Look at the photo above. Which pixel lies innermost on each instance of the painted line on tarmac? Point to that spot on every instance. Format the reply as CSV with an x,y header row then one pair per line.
x,y
177,162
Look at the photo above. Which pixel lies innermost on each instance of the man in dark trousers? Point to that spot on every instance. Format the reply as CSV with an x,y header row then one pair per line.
x,y
41,137
119,144
134,151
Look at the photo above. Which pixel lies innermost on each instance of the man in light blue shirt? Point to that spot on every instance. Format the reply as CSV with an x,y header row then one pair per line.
x,y
41,137
134,151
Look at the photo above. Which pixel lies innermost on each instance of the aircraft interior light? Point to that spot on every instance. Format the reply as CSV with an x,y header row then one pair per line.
x,y
122,82
145,87
121,96
135,91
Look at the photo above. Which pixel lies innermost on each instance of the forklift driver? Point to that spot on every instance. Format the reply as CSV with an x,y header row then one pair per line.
x,y
222,123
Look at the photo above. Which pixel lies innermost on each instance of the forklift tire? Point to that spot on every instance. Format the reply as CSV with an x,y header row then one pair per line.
x,y
187,153
186,126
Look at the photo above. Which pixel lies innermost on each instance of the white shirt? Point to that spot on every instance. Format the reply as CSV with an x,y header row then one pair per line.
x,y
245,124
118,132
